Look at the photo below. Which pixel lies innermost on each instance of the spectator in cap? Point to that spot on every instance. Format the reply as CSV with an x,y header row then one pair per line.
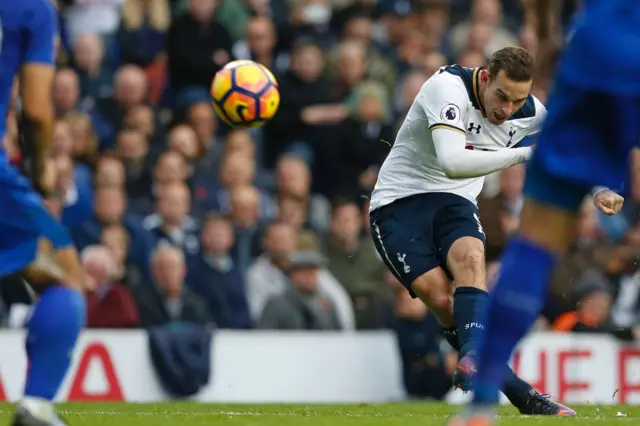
x,y
301,306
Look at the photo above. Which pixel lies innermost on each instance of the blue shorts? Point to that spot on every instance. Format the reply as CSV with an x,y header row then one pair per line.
x,y
24,220
585,142
413,235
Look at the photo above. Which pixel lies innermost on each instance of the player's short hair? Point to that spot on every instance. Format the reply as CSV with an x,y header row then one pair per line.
x,y
517,63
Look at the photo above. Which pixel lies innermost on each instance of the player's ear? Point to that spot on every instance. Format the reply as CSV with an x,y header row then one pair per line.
x,y
485,76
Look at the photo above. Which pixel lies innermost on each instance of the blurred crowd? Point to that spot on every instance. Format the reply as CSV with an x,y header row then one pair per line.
x,y
179,218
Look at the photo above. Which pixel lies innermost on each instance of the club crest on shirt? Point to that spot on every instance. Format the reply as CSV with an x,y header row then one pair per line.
x,y
450,114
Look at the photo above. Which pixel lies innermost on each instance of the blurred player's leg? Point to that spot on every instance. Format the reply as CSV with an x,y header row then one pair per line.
x,y
586,142
37,247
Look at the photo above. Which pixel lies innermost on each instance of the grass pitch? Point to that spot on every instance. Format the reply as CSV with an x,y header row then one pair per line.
x,y
411,414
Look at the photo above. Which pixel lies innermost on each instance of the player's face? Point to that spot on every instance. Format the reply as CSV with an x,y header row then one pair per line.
x,y
503,97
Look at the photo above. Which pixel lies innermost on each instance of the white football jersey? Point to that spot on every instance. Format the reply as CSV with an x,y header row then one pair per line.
x,y
412,166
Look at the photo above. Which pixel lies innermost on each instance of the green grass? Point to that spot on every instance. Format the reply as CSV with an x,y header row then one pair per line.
x,y
411,414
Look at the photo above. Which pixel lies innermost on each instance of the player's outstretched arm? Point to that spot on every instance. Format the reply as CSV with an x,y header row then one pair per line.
x,y
36,81
460,163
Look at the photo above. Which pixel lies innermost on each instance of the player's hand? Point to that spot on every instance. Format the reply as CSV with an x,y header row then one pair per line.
x,y
608,202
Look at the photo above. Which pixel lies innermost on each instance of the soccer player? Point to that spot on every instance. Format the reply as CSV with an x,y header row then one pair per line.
x,y
32,243
464,124
592,128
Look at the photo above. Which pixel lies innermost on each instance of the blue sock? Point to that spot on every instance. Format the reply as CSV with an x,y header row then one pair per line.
x,y
516,301
469,305
53,329
515,389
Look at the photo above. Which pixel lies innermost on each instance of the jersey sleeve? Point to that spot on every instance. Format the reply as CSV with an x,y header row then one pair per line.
x,y
538,119
445,102
41,31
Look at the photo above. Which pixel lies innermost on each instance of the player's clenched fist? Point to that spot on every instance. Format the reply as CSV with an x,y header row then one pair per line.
x,y
608,202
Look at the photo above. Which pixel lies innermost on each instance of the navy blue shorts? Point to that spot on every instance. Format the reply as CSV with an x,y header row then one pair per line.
x,y
24,220
585,142
414,234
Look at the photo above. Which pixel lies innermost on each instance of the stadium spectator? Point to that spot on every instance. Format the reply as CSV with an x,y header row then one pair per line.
x,y
267,275
266,278
310,19
109,208
109,171
109,302
61,141
96,78
359,29
66,92
171,167
354,262
305,103
244,209
142,118
201,117
293,180
432,62
141,35
101,17
433,21
197,46
358,146
472,58
238,170
215,276
133,149
301,306
261,45
169,300
172,223
183,140
350,72
411,51
85,142
427,362
129,90
244,143
116,239
488,14
499,213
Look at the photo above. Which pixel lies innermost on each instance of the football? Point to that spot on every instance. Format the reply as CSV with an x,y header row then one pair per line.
x,y
245,94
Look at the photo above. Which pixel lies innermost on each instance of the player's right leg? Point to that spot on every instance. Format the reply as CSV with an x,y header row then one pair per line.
x,y
33,242
402,233
586,142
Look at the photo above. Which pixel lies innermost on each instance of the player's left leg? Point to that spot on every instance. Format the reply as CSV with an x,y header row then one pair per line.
x,y
38,248
585,142
461,239
546,232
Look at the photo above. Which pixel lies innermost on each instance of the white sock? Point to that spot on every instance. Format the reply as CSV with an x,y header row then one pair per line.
x,y
39,408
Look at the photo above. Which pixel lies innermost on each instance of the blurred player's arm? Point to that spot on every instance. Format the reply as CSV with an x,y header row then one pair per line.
x,y
36,81
606,200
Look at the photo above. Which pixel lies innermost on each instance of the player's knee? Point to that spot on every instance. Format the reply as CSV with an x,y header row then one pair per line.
x,y
473,260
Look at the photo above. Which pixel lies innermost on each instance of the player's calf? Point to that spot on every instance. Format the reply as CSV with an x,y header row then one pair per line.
x,y
433,288
465,260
